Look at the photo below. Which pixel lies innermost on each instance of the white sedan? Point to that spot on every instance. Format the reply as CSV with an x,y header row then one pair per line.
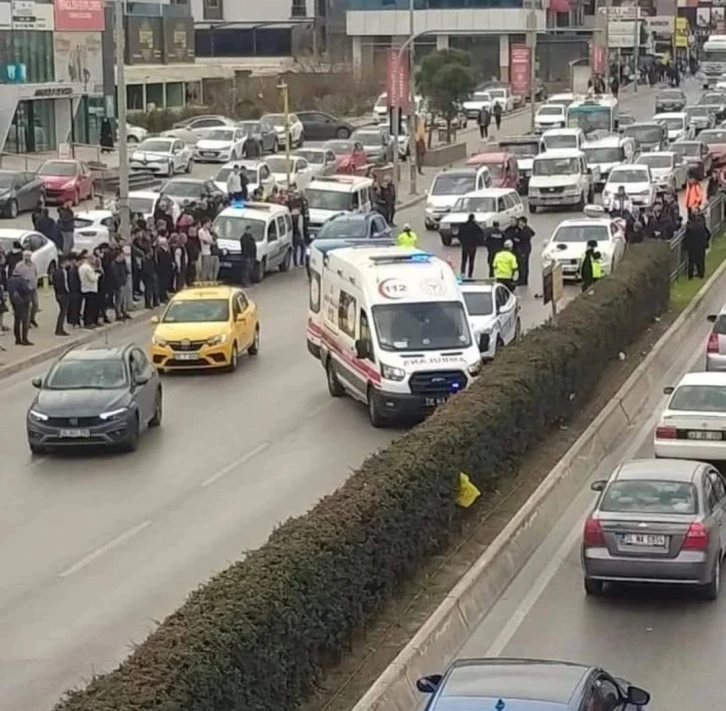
x,y
568,244
220,145
297,130
258,172
162,156
494,313
693,424
677,124
135,134
637,182
45,253
300,172
93,229
667,168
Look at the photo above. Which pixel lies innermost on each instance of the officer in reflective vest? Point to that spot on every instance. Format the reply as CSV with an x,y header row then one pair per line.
x,y
591,269
407,238
505,266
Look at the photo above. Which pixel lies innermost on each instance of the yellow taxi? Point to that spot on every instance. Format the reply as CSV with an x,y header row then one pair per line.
x,y
204,327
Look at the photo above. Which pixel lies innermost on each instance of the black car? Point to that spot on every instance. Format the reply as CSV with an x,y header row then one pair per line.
x,y
670,100
186,190
264,132
19,192
323,127
95,396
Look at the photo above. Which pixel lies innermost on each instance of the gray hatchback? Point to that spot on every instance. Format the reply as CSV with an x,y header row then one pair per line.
x,y
657,521
716,345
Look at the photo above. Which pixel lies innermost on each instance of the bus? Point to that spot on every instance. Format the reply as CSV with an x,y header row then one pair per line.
x,y
596,113
713,60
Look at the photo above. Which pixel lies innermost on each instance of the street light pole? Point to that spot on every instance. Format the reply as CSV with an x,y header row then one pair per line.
x,y
412,120
121,116
286,110
608,6
532,41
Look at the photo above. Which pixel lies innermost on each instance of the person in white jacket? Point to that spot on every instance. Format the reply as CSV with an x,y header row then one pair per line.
x,y
89,275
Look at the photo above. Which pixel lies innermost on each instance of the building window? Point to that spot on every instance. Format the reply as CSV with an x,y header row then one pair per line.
x,y
32,48
213,9
298,9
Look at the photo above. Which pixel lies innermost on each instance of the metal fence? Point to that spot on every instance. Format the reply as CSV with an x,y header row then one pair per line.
x,y
714,212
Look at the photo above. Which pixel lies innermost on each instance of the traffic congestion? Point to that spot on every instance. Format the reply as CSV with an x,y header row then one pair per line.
x,y
217,460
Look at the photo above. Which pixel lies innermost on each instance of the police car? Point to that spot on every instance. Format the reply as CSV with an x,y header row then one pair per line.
x,y
494,314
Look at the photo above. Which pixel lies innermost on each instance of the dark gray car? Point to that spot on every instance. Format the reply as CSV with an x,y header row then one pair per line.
x,y
657,521
95,396
19,192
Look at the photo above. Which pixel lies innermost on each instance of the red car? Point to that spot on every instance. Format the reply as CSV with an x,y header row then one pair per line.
x,y
715,139
349,155
502,168
65,180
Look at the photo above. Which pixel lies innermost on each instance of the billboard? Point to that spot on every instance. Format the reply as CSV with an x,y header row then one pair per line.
x,y
178,39
519,71
597,59
78,59
79,15
144,40
397,79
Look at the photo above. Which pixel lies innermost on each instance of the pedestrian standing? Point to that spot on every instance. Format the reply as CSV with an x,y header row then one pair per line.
x,y
122,280
493,241
497,115
234,185
75,298
3,290
149,279
90,275
27,269
21,299
67,224
193,252
505,266
470,237
484,119
695,242
388,196
62,290
205,244
694,195
420,154
244,182
523,249
164,268
248,253
298,242
179,261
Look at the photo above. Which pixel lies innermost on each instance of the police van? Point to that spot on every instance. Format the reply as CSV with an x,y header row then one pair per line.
x,y
331,195
391,329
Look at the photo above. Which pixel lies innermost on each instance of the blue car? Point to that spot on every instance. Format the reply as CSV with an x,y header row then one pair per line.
x,y
529,685
354,225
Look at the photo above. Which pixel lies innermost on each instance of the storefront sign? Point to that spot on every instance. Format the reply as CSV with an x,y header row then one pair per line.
x,y
519,72
397,79
661,26
29,15
622,34
78,60
623,13
144,40
54,92
682,32
178,39
79,15
5,16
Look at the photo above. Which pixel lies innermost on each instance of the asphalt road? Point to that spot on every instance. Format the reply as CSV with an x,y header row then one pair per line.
x,y
93,549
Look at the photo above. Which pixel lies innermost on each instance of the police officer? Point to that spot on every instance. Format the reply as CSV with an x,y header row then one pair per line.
x,y
590,271
695,242
407,238
505,266
470,237
493,241
523,249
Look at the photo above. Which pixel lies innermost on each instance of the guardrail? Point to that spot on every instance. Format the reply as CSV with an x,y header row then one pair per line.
x,y
714,212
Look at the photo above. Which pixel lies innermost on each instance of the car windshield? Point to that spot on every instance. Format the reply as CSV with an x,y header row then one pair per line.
x,y
479,303
58,167
699,398
7,180
278,164
476,204
346,228
580,233
452,184
183,188
197,311
670,96
550,111
521,150
341,148
422,326
223,174
368,138
220,134
606,154
672,124
628,175
314,157
562,101
697,111
381,101
560,141
556,166
651,134
481,96
69,374
143,205
276,119
249,127
232,227
687,149
655,161
329,200
712,137
152,146
498,93
590,119
650,497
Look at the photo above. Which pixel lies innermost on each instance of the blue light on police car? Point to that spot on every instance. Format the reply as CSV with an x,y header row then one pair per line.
x,y
455,387
420,257
239,203
500,705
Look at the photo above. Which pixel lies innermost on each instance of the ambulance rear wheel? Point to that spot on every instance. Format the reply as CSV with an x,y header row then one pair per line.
x,y
375,414
334,387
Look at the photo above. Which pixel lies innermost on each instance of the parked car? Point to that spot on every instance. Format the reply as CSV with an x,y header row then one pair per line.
x,y
263,131
349,155
44,251
321,161
163,156
297,130
700,117
502,168
221,145
134,134
320,126
143,202
93,228
696,157
715,139
349,225
716,344
66,180
19,192
201,124
716,102
258,172
377,144
185,135
300,173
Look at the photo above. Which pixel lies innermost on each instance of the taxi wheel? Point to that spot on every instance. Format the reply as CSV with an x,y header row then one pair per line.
x,y
233,359
334,387
254,349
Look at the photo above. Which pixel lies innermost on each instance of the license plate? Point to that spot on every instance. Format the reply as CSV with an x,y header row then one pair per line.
x,y
705,435
75,434
208,153
434,401
187,356
644,539
225,265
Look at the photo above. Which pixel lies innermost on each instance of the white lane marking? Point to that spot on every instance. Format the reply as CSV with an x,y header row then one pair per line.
x,y
94,555
232,465
535,592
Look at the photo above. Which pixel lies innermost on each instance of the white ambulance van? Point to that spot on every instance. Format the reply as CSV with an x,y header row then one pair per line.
x,y
391,329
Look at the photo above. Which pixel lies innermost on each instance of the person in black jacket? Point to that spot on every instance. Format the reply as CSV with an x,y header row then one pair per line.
x,y
14,257
149,279
62,289
46,225
248,248
37,212
660,225
164,269
67,221
470,237
493,241
75,299
695,242
121,276
523,249
21,298
713,184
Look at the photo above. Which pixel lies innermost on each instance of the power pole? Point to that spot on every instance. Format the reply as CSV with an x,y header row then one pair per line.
x,y
121,116
286,110
412,104
532,42
608,7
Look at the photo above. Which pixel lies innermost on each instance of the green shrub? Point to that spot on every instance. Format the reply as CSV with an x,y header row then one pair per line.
x,y
258,635
158,120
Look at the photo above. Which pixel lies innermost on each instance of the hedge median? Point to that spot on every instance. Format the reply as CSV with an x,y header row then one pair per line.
x,y
258,635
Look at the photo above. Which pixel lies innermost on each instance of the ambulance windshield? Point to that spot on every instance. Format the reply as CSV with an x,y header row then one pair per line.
x,y
422,326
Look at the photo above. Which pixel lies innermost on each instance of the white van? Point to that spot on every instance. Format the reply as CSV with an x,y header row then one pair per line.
x,y
448,186
608,153
271,226
330,195
561,178
556,139
393,330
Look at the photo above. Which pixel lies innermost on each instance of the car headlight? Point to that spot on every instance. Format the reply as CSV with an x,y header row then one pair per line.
x,y
217,340
475,368
158,341
391,373
68,186
644,192
114,414
37,416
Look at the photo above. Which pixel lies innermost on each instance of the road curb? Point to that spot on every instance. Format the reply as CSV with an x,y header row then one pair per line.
x,y
442,635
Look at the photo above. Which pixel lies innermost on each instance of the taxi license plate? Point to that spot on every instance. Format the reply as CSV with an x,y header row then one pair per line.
x,y
75,434
187,356
644,539
705,435
225,265
434,401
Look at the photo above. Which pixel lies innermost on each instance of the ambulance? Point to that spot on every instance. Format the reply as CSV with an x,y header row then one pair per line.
x,y
390,327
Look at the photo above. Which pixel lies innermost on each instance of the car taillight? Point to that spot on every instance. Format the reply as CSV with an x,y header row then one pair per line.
x,y
593,536
713,346
666,433
697,538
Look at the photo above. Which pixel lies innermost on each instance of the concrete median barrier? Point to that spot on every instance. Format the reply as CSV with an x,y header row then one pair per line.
x,y
445,155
